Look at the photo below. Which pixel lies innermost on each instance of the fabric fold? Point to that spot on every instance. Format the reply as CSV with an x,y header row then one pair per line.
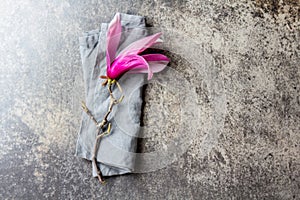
x,y
116,153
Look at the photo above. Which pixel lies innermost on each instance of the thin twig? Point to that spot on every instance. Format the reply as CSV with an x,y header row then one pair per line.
x,y
85,108
100,125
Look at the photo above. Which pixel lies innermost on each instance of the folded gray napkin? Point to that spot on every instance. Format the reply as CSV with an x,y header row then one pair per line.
x,y
116,150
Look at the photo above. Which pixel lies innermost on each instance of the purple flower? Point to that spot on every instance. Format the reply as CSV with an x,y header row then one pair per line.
x,y
129,59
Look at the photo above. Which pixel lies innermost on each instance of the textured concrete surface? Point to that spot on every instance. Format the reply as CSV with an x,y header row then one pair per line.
x,y
255,48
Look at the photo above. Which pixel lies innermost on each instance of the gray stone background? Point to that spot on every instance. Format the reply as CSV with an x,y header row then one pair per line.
x,y
255,45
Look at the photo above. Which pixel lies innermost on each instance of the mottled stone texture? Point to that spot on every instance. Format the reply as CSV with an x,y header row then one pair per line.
x,y
255,46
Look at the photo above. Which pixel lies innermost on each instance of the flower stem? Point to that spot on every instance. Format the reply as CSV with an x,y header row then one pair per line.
x,y
102,124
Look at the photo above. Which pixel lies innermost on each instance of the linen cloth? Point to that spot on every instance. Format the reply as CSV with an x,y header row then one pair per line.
x,y
116,151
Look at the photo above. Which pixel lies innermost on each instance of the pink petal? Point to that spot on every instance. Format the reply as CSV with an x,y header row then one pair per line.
x,y
141,45
155,57
113,38
156,62
123,64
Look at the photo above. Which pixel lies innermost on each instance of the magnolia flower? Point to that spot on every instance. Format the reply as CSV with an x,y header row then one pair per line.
x,y
129,59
